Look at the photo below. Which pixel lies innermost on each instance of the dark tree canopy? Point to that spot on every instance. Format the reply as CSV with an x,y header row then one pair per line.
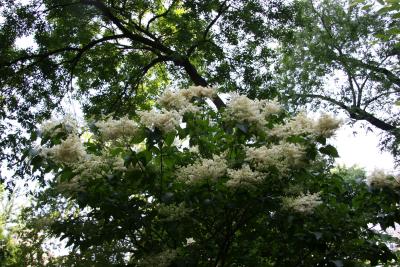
x,y
115,55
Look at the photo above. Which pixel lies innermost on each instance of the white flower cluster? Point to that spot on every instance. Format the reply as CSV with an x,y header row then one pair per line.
x,y
181,100
173,212
203,169
90,167
283,156
190,241
243,109
305,203
243,177
325,126
166,121
379,179
94,166
113,129
70,151
53,127
163,259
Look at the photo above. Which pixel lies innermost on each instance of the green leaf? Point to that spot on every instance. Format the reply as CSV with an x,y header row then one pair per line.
x,y
169,139
329,150
394,31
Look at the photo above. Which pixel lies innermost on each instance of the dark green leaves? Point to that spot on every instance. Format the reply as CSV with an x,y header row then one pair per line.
x,y
329,150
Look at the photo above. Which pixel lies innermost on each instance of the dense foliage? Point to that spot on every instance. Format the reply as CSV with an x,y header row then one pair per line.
x,y
183,178
246,186
115,55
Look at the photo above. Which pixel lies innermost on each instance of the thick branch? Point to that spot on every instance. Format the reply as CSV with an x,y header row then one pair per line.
x,y
42,55
134,37
157,46
221,10
197,79
357,113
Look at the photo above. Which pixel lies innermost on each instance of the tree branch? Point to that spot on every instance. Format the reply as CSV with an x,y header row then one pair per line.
x,y
357,113
158,47
160,15
369,101
42,55
134,37
220,11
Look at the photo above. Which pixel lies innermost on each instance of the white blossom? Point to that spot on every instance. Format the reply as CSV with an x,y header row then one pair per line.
x,y
243,109
181,100
53,127
305,203
69,151
170,99
203,169
199,91
243,177
379,179
327,125
177,101
190,241
166,121
301,124
283,156
93,166
113,129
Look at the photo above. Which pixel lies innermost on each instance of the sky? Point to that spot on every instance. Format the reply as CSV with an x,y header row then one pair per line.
x,y
362,149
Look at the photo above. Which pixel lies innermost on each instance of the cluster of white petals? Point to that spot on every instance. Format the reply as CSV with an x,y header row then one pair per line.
x,y
173,212
379,179
301,124
203,169
113,129
69,151
327,125
93,166
90,167
181,100
243,109
173,100
244,176
53,127
305,203
282,156
190,241
199,91
165,120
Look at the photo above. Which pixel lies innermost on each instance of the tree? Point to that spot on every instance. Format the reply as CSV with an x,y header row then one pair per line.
x,y
9,248
115,55
258,192
250,188
338,59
